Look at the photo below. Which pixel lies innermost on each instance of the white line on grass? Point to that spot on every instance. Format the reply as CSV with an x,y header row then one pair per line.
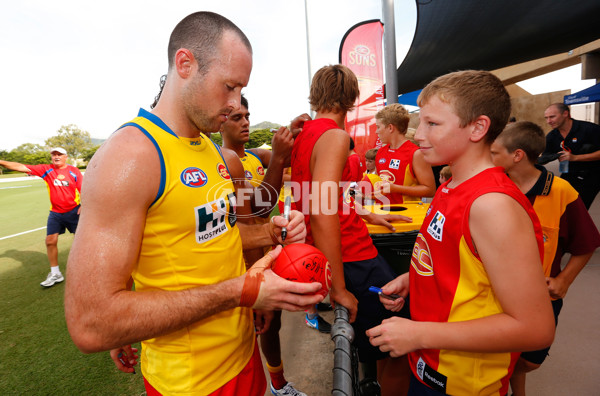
x,y
4,188
21,233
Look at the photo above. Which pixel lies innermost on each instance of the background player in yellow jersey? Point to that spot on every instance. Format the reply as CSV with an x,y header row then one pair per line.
x,y
148,231
236,133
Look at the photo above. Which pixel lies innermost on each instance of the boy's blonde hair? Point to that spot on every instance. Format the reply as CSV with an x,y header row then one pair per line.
x,y
472,93
371,154
445,172
524,135
334,88
396,115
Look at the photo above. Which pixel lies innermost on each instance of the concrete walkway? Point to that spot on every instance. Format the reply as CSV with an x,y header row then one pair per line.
x,y
573,367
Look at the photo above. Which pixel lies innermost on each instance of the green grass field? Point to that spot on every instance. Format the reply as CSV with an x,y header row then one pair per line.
x,y
37,356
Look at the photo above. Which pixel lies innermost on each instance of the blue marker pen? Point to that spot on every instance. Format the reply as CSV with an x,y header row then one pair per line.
x,y
382,294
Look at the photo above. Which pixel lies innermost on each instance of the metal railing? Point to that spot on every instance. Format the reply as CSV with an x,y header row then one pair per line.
x,y
345,359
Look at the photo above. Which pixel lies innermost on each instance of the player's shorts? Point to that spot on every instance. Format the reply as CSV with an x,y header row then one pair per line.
x,y
538,357
359,276
417,388
250,381
58,222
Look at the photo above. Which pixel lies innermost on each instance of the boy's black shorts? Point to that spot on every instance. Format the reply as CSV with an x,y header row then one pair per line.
x,y
359,276
538,357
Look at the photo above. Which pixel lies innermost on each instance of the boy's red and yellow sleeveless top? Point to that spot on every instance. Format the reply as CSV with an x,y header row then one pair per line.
x,y
448,283
356,242
395,166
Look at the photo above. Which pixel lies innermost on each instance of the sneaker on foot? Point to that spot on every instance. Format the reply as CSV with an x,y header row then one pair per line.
x,y
51,279
318,323
288,389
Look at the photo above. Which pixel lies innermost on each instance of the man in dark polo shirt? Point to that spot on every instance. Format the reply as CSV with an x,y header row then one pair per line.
x,y
579,143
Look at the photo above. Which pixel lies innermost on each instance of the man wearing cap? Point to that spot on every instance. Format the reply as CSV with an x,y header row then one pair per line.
x,y
64,187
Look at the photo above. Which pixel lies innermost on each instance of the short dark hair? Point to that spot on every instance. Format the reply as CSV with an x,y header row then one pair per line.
x,y
524,135
244,102
201,32
561,107
351,144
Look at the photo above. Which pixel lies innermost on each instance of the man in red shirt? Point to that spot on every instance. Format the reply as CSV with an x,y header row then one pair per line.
x,y
64,187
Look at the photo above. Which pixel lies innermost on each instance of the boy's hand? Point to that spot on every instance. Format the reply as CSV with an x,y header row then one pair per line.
x,y
398,336
382,188
385,219
125,358
347,300
397,286
262,320
557,287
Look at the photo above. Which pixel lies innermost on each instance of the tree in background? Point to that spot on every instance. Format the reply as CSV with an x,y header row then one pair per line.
x,y
216,137
72,139
27,153
258,137
88,153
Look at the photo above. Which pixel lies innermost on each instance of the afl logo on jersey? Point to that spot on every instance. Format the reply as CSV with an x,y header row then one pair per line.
x,y
222,169
193,177
248,175
421,258
382,161
260,170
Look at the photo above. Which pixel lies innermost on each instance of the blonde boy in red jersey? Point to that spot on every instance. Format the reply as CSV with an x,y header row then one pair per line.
x,y
399,163
478,293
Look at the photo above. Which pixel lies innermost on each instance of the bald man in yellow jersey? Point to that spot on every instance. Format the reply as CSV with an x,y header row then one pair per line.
x,y
160,208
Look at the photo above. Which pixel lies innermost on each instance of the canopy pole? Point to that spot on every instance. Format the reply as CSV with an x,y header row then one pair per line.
x,y
308,51
389,51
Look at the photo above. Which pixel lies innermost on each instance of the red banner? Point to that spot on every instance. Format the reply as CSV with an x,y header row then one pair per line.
x,y
362,51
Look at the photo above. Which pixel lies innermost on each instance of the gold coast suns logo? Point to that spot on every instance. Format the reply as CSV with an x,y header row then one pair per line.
x,y
387,176
421,258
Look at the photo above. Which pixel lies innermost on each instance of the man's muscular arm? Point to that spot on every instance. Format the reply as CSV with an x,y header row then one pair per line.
x,y
101,312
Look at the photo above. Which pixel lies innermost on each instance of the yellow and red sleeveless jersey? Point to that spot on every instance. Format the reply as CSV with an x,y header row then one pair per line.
x,y
190,239
254,172
448,283
395,166
253,168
